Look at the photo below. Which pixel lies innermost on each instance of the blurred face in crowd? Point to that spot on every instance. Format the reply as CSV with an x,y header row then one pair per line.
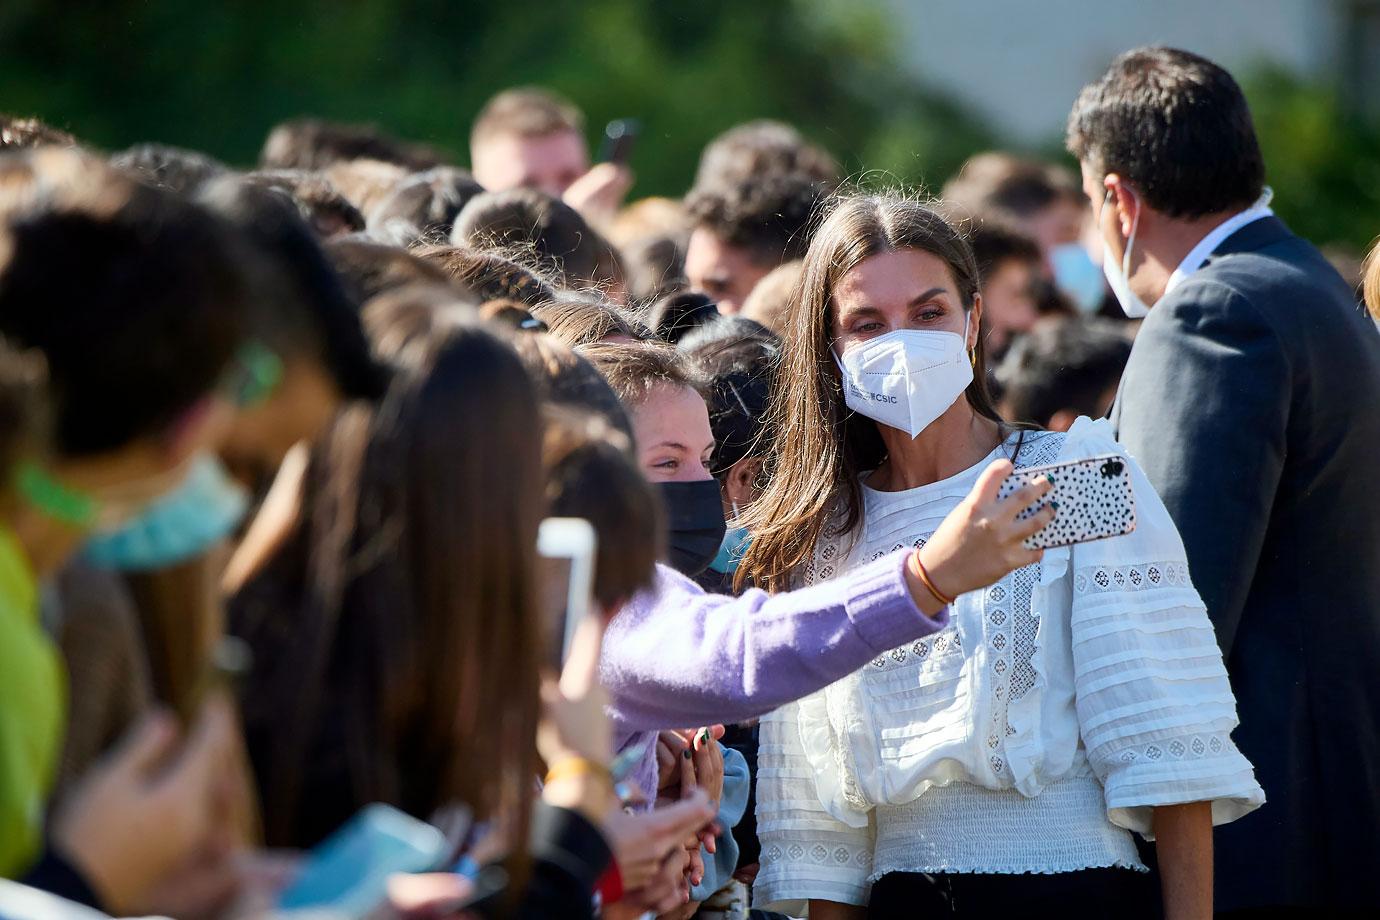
x,y
1062,222
298,409
127,480
547,162
674,441
1009,301
725,273
903,289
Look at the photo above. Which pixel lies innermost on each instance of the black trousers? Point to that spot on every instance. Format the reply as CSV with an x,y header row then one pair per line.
x,y
1119,893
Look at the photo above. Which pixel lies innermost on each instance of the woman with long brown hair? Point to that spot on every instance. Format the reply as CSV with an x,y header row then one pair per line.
x,y
1001,764
396,637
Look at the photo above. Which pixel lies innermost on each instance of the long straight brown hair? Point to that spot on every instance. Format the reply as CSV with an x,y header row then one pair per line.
x,y
819,446
419,638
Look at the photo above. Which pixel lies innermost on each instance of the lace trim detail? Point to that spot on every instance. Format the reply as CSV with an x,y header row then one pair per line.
x,y
838,855
1200,746
1143,576
1010,627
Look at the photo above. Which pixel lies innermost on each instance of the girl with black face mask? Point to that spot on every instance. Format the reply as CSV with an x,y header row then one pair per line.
x,y
674,444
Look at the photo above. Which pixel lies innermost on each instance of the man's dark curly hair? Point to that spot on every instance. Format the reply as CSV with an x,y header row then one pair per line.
x,y
771,216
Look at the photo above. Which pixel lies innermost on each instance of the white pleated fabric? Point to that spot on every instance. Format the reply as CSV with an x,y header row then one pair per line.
x,y
1058,708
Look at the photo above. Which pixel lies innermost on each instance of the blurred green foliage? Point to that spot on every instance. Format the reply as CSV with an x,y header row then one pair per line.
x,y
215,75
1322,161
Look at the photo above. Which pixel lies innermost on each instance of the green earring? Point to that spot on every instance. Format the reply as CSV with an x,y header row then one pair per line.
x,y
70,506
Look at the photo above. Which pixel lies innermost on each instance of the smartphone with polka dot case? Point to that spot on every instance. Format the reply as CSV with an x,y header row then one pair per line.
x,y
1092,500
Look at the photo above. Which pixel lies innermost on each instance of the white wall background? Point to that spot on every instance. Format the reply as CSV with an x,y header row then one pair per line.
x,y
1021,62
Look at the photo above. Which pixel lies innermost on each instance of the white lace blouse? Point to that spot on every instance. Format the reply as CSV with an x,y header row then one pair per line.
x,y
1032,735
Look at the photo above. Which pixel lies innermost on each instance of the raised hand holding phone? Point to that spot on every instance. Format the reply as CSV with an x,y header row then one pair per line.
x,y
981,540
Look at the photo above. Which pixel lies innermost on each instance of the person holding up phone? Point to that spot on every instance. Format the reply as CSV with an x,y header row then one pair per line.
x,y
530,137
1001,765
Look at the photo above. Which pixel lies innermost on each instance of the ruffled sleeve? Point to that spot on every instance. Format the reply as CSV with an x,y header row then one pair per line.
x,y
1155,710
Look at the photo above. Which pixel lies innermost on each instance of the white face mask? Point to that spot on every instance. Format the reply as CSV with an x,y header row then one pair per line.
x,y
1118,276
908,378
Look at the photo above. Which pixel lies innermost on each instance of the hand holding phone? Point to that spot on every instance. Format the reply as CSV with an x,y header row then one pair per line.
x,y
620,137
348,874
1092,500
567,549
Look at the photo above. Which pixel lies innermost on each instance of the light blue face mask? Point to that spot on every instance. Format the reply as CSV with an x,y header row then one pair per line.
x,y
201,511
1078,276
731,550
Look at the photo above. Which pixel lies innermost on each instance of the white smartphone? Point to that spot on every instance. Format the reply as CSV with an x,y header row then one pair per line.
x,y
567,547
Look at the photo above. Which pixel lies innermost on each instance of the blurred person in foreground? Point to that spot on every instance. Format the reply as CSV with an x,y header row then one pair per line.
x,y
530,137
137,302
1250,399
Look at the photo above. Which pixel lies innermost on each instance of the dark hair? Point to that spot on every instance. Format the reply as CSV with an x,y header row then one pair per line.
x,y
584,319
527,111
820,447
654,266
137,298
757,149
532,227
312,143
590,474
428,201
994,242
770,216
401,317
676,314
489,275
365,183
369,268
510,316
1007,186
738,358
27,133
1174,125
1063,364
321,204
171,168
418,639
566,379
315,317
633,371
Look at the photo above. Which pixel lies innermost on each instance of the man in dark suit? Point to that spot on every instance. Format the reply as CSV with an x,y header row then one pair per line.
x,y
1252,399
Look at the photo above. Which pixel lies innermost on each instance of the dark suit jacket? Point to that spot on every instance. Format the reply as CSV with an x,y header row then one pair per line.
x,y
1252,399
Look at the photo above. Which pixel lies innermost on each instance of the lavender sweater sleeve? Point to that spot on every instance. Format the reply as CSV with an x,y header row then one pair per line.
x,y
677,657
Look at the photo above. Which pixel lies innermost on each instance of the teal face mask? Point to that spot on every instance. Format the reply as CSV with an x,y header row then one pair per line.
x,y
732,550
193,517
1078,276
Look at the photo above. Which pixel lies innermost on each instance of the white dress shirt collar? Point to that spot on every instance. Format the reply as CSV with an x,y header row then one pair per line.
x,y
1208,244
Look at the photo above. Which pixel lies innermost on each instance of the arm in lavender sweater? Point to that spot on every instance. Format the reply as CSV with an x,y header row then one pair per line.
x,y
676,656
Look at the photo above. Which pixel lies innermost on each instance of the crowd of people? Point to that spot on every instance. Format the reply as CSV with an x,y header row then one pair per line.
x,y
278,446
